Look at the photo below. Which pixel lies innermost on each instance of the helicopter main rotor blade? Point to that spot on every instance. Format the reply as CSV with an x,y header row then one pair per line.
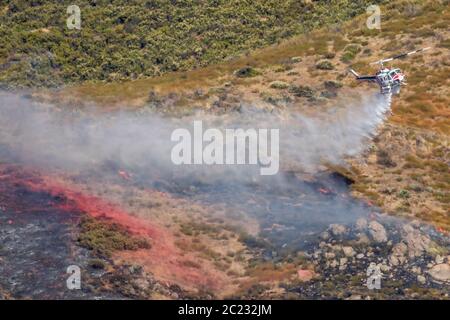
x,y
402,55
382,61
409,53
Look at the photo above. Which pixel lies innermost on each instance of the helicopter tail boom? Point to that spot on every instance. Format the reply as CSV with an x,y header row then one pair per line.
x,y
362,78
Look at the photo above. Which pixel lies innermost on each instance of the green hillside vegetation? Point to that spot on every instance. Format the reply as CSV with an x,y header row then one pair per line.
x,y
135,39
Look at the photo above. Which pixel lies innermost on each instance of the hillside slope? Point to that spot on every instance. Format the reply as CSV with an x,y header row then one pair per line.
x,y
405,170
204,249
142,38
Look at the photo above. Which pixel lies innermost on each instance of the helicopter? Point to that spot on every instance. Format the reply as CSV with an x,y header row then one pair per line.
x,y
389,79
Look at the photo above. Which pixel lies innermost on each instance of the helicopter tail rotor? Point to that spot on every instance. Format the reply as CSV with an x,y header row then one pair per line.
x,y
353,72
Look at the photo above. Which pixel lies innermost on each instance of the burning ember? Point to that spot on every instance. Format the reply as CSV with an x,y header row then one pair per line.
x,y
125,175
324,191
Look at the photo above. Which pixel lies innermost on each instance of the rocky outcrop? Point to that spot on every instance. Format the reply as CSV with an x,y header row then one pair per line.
x,y
337,229
440,272
417,243
377,231
398,255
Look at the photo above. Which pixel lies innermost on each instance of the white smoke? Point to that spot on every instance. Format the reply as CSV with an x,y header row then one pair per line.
x,y
43,134
342,132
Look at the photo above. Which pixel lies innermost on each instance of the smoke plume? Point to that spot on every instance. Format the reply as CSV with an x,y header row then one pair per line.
x,y
44,134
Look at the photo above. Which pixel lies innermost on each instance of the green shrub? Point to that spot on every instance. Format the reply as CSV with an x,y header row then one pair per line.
x,y
404,194
279,85
301,91
384,158
97,264
324,65
332,85
246,72
123,39
350,52
104,237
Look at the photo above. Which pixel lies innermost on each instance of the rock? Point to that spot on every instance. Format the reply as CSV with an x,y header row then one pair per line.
x,y
305,275
398,254
416,242
355,297
361,224
421,279
317,254
343,261
440,272
363,238
325,235
135,269
407,228
348,251
333,264
338,229
141,284
439,259
360,256
330,255
384,267
377,231
416,270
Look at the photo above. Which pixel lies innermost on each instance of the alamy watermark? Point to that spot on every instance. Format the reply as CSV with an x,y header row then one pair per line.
x,y
232,147
374,276
73,282
374,20
74,20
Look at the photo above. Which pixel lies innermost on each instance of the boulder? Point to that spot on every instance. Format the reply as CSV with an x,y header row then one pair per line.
x,y
421,279
440,272
361,224
416,242
330,255
398,255
377,231
439,259
363,238
338,229
348,251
